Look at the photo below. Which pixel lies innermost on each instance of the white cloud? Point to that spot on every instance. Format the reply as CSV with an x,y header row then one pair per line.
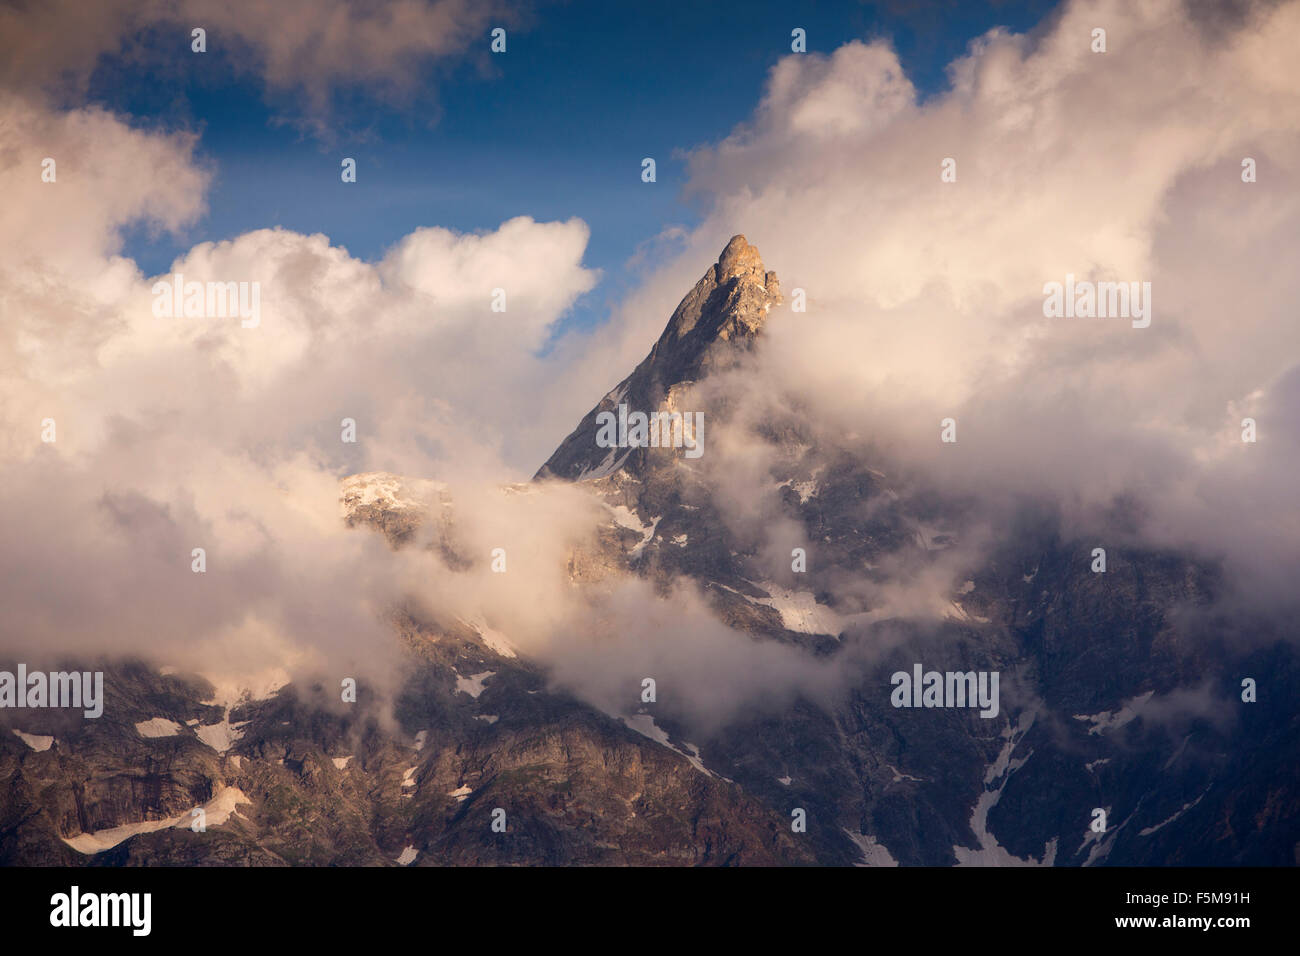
x,y
924,302
175,433
925,298
308,47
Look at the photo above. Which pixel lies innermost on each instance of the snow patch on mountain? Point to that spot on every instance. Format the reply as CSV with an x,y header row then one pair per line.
x,y
645,725
1109,720
873,853
1103,843
491,637
157,727
221,737
990,852
800,611
217,811
472,685
899,776
1147,831
387,491
624,517
407,856
37,742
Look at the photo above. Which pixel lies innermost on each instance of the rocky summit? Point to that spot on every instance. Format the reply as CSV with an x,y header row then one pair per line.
x,y
1114,695
712,328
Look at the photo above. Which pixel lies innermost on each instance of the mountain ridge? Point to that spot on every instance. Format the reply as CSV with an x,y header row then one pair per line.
x,y
1104,677
716,322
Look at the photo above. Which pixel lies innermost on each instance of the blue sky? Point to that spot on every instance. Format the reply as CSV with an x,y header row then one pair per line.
x,y
554,128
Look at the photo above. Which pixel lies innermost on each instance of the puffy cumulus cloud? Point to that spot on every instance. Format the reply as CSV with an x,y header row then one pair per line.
x,y
427,371
306,46
107,175
926,298
314,45
855,90
532,263
180,432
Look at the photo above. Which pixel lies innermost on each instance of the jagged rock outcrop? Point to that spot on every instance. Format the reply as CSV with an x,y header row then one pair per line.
x,y
714,325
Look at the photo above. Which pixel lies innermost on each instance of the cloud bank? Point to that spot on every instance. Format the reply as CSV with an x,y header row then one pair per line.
x,y
309,48
924,302
131,439
925,297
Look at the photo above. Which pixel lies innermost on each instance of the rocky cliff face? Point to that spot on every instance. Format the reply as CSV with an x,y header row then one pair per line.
x,y
294,779
711,329
1113,698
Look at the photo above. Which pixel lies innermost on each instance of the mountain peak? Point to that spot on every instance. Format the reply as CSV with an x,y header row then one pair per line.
x,y
739,258
729,303
712,327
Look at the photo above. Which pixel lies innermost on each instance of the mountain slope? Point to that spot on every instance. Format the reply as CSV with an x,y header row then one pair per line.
x,y
1115,692
1104,675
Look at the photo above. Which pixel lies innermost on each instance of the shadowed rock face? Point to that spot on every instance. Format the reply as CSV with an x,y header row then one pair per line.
x,y
311,783
1114,694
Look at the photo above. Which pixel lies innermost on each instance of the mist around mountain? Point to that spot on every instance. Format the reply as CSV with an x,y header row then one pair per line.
x,y
445,434
687,649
